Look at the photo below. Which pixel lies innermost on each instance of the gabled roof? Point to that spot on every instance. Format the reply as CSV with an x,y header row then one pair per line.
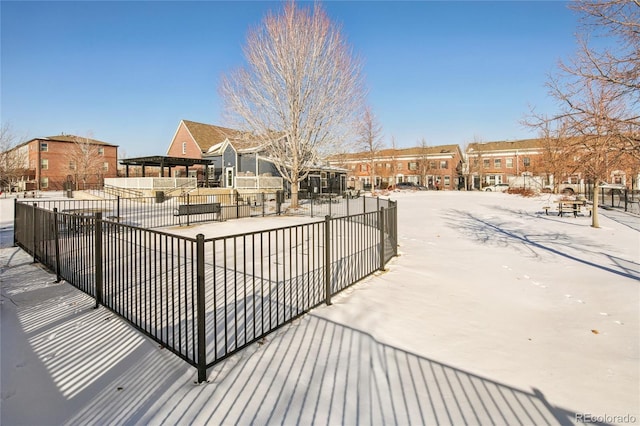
x,y
504,145
208,135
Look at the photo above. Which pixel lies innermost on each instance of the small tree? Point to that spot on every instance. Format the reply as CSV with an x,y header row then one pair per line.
x,y
424,164
14,161
85,160
300,93
370,141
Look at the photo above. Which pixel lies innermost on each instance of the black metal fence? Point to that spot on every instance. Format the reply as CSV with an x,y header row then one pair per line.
x,y
623,199
205,299
158,212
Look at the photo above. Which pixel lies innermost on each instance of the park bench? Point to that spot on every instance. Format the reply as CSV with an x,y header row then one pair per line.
x,y
195,209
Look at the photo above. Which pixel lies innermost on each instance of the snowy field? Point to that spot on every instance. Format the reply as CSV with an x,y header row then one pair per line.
x,y
493,313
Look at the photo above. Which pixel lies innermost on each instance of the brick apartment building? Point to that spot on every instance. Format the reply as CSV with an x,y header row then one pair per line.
x,y
500,162
497,162
58,162
436,167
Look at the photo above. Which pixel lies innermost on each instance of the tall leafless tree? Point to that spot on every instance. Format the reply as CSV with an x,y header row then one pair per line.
x,y
615,66
598,90
370,141
301,91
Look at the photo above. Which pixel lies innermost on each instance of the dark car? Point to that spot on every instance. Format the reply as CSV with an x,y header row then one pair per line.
x,y
403,186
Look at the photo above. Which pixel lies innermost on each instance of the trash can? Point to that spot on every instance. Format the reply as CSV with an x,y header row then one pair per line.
x,y
69,193
159,196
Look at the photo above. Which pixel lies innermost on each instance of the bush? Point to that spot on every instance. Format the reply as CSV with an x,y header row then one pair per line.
x,y
525,192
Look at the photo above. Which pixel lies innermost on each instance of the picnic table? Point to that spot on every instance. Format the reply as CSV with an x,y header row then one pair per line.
x,y
570,206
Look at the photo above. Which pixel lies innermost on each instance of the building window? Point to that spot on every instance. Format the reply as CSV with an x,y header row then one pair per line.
x,y
44,164
526,161
432,164
509,163
101,151
72,165
497,163
399,166
388,165
363,167
44,182
323,179
413,166
447,180
44,147
378,165
485,163
444,164
105,167
184,147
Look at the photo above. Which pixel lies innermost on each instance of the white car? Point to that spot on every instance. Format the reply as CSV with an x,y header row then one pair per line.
x,y
498,187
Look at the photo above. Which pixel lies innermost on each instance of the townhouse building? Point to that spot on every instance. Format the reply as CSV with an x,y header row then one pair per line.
x,y
536,163
492,163
436,167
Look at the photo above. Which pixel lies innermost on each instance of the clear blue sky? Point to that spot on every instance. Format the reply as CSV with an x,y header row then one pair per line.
x,y
128,72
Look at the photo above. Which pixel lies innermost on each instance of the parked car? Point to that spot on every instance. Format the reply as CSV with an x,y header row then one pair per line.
x,y
498,187
403,186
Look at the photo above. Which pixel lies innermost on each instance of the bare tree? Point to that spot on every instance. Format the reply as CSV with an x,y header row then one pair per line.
x,y
14,160
370,140
616,65
393,169
301,91
424,164
557,157
85,160
592,115
475,166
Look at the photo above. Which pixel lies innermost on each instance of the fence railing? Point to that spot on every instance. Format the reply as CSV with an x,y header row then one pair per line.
x,y
158,212
623,199
205,299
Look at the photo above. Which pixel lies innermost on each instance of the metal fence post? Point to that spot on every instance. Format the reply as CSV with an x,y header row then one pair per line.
x,y
35,233
202,332
118,208
188,202
378,203
98,257
381,226
348,198
625,198
262,204
57,243
364,204
327,259
15,220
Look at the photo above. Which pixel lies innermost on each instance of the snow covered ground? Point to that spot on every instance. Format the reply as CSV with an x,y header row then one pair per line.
x,y
492,314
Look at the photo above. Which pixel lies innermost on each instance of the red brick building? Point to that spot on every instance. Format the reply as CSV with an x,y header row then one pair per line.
x,y
437,167
55,162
